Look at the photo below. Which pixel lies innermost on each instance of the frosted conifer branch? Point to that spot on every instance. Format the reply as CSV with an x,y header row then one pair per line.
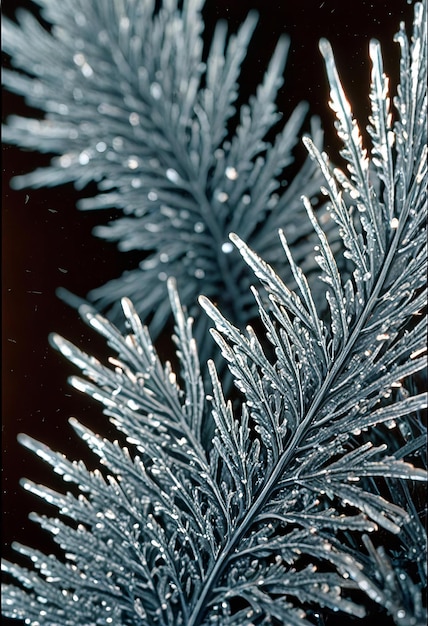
x,y
257,509
131,103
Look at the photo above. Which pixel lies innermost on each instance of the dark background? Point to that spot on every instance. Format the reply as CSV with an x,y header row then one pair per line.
x,y
47,243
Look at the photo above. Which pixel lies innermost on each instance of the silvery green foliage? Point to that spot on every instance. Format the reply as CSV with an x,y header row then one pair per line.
x,y
263,520
178,528
130,104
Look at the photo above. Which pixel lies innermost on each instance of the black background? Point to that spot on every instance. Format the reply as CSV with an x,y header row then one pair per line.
x,y
47,243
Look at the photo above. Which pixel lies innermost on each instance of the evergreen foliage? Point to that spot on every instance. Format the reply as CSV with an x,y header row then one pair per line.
x,y
158,144
254,507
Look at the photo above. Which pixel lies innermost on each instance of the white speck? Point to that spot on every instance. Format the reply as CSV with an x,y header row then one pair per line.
x,y
156,91
124,23
65,160
231,173
199,273
101,146
246,199
394,223
132,162
163,257
134,119
136,183
83,158
79,59
199,227
133,405
227,247
87,70
222,196
367,276
172,175
152,196
382,337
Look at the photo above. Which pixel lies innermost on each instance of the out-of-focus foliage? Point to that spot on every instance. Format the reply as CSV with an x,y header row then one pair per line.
x,y
132,103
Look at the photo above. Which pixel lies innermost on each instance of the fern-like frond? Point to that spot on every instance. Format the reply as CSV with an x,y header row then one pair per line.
x,y
179,527
254,511
131,102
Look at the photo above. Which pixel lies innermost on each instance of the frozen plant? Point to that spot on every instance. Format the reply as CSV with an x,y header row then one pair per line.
x,y
266,519
133,102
